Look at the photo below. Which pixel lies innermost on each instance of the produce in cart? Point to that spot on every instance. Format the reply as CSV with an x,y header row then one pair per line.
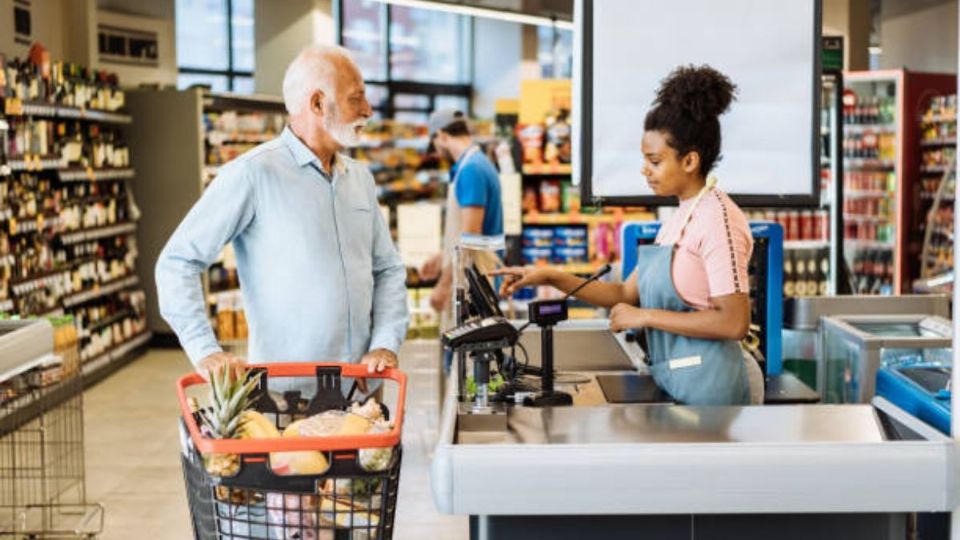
x,y
231,397
329,486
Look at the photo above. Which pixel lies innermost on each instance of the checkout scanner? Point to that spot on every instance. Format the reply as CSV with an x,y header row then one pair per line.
x,y
487,334
611,467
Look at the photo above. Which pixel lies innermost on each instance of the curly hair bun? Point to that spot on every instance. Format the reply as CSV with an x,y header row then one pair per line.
x,y
699,91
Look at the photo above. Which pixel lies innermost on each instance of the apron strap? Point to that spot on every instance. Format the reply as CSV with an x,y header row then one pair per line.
x,y
711,183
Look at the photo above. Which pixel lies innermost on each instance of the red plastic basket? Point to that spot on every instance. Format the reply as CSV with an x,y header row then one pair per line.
x,y
260,446
257,504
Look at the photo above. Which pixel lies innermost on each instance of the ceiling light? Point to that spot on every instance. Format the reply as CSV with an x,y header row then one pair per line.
x,y
486,13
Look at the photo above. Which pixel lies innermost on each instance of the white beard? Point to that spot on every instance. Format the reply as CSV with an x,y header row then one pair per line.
x,y
346,134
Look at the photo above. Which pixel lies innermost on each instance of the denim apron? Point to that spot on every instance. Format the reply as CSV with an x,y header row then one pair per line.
x,y
693,371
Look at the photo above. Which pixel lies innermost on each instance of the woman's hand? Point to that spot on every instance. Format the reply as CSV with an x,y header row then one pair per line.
x,y
627,317
517,277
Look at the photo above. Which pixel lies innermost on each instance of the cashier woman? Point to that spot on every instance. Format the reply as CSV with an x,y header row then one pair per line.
x,y
689,292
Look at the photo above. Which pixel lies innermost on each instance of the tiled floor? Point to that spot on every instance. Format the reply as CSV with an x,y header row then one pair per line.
x,y
132,451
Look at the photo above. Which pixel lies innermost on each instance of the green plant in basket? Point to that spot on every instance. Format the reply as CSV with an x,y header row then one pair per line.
x,y
230,396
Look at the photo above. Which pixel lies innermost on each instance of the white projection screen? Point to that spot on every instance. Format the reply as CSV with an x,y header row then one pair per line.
x,y
769,48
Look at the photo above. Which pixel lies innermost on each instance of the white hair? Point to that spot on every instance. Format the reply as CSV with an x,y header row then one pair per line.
x,y
313,69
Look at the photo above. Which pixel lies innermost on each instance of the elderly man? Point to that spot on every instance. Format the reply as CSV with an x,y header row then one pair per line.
x,y
320,276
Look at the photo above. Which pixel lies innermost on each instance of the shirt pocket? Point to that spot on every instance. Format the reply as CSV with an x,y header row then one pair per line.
x,y
360,226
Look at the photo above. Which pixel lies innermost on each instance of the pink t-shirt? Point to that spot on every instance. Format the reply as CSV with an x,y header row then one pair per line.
x,y
714,251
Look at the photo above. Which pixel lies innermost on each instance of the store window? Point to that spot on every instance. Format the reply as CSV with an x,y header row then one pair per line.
x,y
429,46
363,33
215,44
413,59
555,52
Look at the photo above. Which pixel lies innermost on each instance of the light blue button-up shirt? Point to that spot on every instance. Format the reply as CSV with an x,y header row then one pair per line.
x,y
320,277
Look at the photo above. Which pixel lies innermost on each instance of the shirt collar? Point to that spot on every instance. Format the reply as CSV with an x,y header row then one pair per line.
x,y
305,156
459,163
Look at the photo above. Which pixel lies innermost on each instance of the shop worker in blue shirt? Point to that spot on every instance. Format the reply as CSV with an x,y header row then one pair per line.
x,y
474,203
320,277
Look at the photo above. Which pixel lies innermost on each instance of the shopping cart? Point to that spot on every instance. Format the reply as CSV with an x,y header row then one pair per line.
x,y
347,501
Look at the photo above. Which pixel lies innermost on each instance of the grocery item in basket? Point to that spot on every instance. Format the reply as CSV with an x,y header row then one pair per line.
x,y
231,396
376,459
301,462
340,512
295,517
255,425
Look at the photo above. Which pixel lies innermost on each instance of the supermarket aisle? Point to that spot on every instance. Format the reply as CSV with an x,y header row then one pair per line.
x,y
132,450
417,517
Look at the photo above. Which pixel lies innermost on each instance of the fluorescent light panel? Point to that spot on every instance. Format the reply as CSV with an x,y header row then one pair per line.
x,y
482,12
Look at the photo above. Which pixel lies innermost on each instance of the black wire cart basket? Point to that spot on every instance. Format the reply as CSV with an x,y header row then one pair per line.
x,y
305,487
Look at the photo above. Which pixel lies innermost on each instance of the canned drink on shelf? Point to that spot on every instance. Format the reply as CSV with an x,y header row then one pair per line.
x,y
793,225
823,225
807,225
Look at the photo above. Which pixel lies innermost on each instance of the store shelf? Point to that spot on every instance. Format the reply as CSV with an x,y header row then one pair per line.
x,y
6,306
85,235
36,164
936,119
55,312
866,219
100,291
805,244
857,194
15,107
933,169
584,219
94,175
218,138
867,163
96,368
32,225
546,169
18,288
416,143
934,143
869,244
872,128
97,325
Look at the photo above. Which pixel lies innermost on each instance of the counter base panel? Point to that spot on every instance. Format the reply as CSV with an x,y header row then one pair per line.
x,y
693,527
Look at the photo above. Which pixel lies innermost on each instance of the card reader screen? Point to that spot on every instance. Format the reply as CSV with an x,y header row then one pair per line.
x,y
550,309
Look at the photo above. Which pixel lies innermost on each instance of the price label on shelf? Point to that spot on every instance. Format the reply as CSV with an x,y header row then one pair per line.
x,y
13,107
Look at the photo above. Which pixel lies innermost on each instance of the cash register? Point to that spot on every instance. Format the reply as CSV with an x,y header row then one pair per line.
x,y
487,334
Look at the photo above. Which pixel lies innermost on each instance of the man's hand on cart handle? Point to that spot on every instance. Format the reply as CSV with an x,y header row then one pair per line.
x,y
376,360
217,361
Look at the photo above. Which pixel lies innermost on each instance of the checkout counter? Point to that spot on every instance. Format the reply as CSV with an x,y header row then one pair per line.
x,y
641,467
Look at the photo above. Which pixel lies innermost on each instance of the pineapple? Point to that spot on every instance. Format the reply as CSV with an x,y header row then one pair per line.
x,y
230,396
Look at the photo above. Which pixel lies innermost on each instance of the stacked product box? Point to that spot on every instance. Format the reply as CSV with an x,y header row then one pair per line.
x,y
538,244
569,245
555,244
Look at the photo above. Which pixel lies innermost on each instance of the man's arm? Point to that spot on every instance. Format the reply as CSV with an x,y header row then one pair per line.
x,y
225,209
390,313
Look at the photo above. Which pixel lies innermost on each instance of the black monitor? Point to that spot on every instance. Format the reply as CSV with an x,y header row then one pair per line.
x,y
482,298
